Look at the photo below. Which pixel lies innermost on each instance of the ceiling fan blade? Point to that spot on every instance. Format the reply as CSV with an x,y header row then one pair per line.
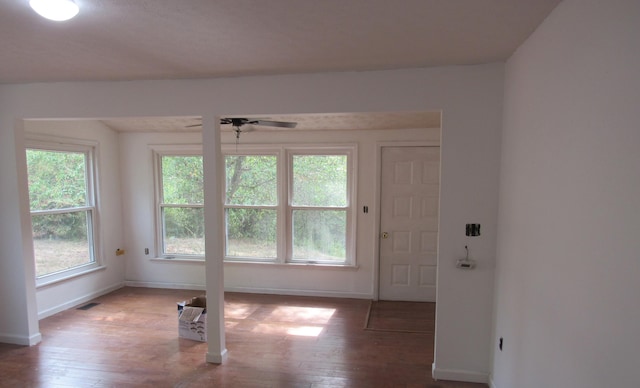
x,y
270,123
240,121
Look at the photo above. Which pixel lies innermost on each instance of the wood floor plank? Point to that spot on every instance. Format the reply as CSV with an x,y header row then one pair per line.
x,y
130,339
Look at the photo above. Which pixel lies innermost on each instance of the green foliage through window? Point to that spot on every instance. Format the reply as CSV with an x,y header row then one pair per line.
x,y
251,233
254,200
251,180
182,205
319,235
251,196
61,209
320,180
319,215
57,180
182,180
317,209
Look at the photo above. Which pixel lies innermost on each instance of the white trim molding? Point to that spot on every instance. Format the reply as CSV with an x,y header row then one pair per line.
x,y
252,290
20,339
172,286
77,301
492,383
299,292
459,375
215,358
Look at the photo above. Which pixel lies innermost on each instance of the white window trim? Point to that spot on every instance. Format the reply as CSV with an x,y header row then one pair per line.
x,y
285,156
257,150
91,150
352,156
158,151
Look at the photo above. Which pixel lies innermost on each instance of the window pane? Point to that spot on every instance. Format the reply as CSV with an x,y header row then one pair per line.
x,y
251,180
60,241
183,230
319,235
182,181
57,180
251,233
320,180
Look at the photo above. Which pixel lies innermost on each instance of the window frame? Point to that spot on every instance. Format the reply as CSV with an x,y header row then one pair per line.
x,y
160,151
90,149
350,153
255,151
284,155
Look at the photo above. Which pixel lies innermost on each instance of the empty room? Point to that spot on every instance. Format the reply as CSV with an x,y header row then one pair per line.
x,y
472,165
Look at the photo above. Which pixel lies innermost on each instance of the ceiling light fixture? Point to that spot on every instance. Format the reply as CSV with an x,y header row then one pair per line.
x,y
57,10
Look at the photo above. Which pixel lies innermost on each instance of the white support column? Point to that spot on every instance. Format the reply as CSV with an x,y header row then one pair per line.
x,y
17,267
214,266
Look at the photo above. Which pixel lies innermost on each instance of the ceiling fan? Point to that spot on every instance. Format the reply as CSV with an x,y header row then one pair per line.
x,y
238,122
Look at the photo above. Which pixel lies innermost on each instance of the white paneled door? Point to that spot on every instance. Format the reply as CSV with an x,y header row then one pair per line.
x,y
409,196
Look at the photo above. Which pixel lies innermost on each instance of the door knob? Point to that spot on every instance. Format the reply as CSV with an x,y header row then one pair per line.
x,y
385,235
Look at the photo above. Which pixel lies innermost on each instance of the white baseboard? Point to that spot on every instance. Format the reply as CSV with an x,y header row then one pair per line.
x,y
459,375
251,290
214,358
171,286
294,292
492,384
20,340
74,302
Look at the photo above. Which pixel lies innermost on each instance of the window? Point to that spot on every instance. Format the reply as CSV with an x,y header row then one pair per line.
x,y
319,199
293,204
251,206
181,205
63,208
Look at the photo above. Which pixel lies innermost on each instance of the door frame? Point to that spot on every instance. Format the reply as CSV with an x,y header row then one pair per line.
x,y
377,220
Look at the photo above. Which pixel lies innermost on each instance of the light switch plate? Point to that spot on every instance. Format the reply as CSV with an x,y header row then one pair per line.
x,y
472,230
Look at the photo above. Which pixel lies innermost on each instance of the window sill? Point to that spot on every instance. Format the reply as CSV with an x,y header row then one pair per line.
x,y
179,259
265,263
298,265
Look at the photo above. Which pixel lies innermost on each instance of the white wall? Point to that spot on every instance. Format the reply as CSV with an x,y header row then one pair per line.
x,y
567,288
138,185
59,296
470,98
139,214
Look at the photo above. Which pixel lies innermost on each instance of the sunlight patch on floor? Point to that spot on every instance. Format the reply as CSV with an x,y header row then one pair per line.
x,y
308,315
239,310
285,329
305,331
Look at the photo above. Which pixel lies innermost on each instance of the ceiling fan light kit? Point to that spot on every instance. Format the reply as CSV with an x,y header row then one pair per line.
x,y
56,10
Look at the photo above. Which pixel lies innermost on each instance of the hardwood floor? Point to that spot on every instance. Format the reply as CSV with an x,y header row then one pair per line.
x,y
130,339
407,317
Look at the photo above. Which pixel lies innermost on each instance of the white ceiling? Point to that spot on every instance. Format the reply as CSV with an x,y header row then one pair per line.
x,y
162,39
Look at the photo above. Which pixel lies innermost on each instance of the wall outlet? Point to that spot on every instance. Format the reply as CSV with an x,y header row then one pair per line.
x,y
146,251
